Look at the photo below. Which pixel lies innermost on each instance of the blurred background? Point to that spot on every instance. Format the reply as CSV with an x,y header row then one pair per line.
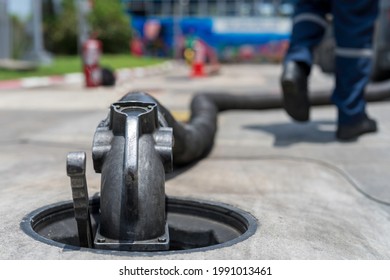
x,y
237,30
38,33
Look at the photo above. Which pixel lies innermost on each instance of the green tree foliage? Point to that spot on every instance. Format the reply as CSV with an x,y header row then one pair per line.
x,y
111,25
60,29
108,23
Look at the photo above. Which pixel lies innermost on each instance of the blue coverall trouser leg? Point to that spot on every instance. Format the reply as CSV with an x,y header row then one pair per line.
x,y
353,23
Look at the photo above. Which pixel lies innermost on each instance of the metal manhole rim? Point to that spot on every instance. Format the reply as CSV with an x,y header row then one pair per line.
x,y
252,223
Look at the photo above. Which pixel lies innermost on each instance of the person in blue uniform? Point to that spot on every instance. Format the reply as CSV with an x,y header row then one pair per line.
x,y
353,24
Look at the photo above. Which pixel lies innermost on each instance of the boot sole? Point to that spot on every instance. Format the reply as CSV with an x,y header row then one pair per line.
x,y
353,135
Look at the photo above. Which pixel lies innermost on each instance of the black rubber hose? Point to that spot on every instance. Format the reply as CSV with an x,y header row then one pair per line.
x,y
193,140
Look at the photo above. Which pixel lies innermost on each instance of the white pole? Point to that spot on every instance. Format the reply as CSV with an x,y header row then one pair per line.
x,y
38,53
83,8
5,38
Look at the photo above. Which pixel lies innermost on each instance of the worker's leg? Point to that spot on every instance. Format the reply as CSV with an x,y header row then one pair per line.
x,y
353,28
309,26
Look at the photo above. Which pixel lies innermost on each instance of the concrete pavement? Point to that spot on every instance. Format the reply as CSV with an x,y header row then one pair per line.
x,y
313,197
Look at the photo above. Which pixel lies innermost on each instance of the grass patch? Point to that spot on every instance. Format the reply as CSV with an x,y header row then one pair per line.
x,y
71,64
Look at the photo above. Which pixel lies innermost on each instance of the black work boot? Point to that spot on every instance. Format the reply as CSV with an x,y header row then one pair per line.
x,y
295,92
352,131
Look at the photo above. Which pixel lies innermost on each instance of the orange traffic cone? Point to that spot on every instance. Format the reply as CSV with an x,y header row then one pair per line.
x,y
197,69
199,60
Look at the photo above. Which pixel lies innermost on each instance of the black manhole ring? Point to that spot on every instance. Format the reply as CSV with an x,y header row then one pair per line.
x,y
234,225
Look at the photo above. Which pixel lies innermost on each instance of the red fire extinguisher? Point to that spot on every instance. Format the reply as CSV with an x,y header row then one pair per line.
x,y
92,50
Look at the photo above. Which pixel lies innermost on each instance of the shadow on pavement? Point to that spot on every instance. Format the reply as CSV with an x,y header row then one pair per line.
x,y
287,134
